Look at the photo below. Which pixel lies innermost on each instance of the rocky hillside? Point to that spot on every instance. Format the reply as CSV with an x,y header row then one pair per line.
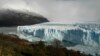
x,y
11,45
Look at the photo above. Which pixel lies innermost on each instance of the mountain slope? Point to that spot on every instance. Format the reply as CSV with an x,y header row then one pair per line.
x,y
15,18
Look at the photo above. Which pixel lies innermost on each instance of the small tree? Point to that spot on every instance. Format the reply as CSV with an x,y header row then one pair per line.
x,y
39,49
56,43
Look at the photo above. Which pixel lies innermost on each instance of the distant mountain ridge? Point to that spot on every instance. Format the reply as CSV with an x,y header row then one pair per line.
x,y
15,18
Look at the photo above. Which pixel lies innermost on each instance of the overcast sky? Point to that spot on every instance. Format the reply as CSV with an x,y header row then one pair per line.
x,y
59,10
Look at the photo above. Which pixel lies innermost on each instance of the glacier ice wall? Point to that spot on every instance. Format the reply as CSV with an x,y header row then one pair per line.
x,y
87,34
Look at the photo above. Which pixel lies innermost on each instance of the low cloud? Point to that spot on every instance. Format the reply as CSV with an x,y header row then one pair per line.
x,y
59,10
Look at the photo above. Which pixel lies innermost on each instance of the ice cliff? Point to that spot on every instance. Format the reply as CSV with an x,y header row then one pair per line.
x,y
79,33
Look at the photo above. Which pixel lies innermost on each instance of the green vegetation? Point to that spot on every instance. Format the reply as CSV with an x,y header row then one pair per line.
x,y
11,45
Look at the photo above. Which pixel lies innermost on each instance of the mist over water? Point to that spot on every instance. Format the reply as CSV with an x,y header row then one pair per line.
x,y
10,30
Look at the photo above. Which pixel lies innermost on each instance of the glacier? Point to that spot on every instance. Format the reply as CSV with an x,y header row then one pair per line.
x,y
77,33
84,37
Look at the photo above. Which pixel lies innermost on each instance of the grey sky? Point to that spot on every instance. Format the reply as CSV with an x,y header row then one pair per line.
x,y
59,10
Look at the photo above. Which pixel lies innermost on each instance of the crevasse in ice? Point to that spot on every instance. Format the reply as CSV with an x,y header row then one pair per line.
x,y
79,33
